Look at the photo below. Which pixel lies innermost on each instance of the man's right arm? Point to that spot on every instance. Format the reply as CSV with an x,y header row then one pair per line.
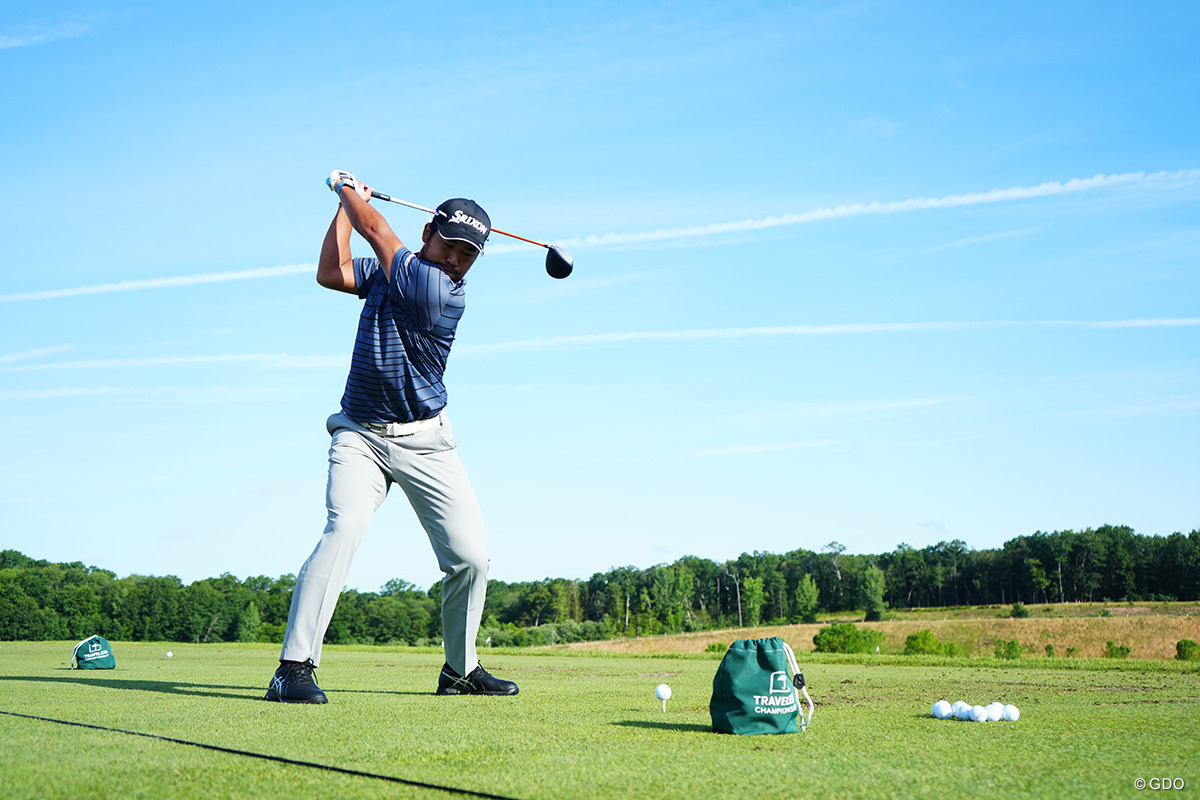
x,y
335,267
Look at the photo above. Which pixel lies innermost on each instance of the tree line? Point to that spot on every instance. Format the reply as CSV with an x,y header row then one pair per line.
x,y
41,600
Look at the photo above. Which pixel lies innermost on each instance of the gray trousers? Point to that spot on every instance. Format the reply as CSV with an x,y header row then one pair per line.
x,y
362,467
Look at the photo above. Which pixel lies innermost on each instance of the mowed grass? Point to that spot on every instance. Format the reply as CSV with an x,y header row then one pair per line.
x,y
584,725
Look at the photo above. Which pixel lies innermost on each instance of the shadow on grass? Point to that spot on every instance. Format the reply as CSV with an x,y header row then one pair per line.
x,y
664,726
173,687
163,687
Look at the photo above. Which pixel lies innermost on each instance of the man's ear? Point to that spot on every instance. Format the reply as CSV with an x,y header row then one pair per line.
x,y
425,234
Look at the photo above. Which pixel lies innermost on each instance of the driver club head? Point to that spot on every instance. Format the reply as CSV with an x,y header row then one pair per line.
x,y
558,262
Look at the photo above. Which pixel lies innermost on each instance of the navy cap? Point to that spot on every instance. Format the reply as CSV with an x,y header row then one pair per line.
x,y
462,220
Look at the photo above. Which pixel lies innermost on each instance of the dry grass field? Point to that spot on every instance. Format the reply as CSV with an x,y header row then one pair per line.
x,y
1151,631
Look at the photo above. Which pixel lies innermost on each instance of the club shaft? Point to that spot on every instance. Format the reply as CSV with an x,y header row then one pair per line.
x,y
390,199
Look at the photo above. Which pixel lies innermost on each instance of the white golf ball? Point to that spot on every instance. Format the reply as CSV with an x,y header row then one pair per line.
x,y
979,714
662,692
994,711
963,713
941,710
1012,713
169,654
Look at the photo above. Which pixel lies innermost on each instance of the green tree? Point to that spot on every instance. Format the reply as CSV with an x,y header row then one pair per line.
x,y
871,589
20,617
249,623
536,603
753,598
807,598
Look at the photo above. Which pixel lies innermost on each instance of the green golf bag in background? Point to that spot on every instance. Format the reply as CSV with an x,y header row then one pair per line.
x,y
93,652
752,693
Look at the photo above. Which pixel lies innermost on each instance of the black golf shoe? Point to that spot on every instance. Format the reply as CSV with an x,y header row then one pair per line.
x,y
477,682
294,683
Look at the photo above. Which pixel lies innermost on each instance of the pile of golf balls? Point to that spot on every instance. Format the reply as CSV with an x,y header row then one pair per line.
x,y
993,712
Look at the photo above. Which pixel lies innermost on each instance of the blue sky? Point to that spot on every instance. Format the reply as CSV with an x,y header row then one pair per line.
x,y
870,272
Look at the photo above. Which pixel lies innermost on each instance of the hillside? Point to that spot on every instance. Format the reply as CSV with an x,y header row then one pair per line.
x,y
1150,630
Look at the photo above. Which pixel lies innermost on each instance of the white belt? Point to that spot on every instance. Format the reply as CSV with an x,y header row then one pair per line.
x,y
390,429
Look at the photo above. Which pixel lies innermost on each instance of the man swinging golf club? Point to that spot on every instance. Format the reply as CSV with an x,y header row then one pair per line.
x,y
392,429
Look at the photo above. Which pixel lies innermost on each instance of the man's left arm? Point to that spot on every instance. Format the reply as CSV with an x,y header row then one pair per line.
x,y
370,224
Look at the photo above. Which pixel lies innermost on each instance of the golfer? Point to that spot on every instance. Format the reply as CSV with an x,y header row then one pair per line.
x,y
392,430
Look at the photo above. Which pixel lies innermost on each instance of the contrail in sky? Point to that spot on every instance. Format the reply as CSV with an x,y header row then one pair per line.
x,y
1049,189
41,37
813,330
162,283
340,361
896,207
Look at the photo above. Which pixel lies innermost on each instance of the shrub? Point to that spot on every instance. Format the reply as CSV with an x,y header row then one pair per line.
x,y
1187,650
1116,650
1019,611
716,647
844,637
1072,652
1049,651
925,643
1009,649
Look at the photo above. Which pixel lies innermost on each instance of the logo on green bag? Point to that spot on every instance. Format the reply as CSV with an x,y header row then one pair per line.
x,y
781,699
95,650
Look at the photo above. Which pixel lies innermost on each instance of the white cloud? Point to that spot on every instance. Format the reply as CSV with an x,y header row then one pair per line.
x,y
35,353
808,330
266,360
874,127
757,449
198,394
1049,189
162,283
342,360
65,31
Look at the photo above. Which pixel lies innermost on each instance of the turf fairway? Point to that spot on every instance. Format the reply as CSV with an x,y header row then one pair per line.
x,y
584,725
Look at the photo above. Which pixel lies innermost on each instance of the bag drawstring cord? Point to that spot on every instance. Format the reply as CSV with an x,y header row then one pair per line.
x,y
798,682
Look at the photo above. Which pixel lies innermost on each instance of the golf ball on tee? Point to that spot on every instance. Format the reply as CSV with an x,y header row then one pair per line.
x,y
1012,713
941,710
662,692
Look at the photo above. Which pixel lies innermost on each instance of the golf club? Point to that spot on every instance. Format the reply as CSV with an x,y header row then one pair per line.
x,y
558,262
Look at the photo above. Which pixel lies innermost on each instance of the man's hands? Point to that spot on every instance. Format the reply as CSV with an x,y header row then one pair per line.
x,y
340,178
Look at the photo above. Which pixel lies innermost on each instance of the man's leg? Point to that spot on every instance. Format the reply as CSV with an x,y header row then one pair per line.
x,y
356,489
433,478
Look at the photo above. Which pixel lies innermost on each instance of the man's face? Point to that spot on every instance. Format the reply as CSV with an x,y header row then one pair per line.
x,y
452,257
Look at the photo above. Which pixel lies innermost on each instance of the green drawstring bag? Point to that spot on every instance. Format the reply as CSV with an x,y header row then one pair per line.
x,y
752,693
93,652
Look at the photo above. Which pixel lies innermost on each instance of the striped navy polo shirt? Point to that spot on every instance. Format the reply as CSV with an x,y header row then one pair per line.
x,y
404,336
